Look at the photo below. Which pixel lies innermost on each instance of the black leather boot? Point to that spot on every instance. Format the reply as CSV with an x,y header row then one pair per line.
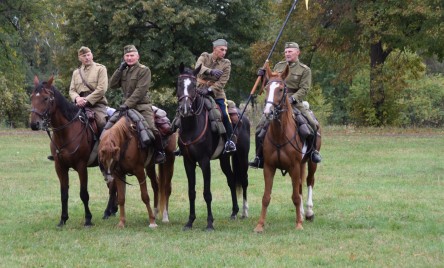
x,y
159,155
315,155
258,161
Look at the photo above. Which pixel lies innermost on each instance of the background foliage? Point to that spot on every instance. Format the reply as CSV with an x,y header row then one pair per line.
x,y
374,62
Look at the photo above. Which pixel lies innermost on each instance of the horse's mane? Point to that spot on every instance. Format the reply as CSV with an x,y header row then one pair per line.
x,y
119,131
68,109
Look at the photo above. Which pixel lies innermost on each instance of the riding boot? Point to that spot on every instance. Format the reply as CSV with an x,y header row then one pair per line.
x,y
230,146
159,157
50,157
315,155
258,161
177,152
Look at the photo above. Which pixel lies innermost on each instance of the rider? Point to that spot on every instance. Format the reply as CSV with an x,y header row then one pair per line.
x,y
134,79
298,84
88,86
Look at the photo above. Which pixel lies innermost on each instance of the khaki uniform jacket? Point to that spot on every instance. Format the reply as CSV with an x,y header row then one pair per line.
x,y
206,60
96,76
298,80
134,82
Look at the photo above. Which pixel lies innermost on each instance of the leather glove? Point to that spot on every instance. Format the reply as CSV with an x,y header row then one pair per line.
x,y
123,107
204,91
292,100
216,72
261,72
123,65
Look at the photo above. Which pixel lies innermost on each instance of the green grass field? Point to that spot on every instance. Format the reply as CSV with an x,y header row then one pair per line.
x,y
378,202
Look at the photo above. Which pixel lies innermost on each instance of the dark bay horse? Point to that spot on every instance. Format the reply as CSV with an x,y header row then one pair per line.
x,y
284,149
198,144
120,155
72,139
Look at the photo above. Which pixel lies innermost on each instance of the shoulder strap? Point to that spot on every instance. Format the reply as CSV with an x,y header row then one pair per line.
x,y
83,80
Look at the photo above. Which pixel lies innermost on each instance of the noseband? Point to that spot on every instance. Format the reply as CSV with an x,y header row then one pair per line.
x,y
45,115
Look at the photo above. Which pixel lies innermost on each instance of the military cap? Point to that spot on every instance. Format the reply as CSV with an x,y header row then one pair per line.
x,y
220,42
291,45
83,50
129,48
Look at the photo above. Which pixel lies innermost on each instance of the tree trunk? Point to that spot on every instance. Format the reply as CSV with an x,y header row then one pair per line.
x,y
377,94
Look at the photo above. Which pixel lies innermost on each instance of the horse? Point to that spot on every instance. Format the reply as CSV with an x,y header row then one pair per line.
x,y
72,140
119,154
199,144
284,149
160,176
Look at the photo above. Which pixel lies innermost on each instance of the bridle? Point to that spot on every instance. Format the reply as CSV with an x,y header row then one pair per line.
x,y
281,106
46,125
192,98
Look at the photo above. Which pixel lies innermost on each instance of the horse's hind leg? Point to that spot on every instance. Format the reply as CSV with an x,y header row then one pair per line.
x,y
309,215
121,187
151,173
231,181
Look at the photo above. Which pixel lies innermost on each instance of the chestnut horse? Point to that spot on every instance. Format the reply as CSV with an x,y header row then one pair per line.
x,y
199,144
120,155
72,139
160,176
284,149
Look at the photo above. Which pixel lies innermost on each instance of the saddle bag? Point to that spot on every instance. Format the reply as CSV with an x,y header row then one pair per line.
x,y
161,121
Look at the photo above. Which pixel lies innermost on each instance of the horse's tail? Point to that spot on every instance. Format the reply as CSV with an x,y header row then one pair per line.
x,y
165,174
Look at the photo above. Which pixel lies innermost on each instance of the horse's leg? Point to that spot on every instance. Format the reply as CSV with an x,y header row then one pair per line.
x,y
62,173
295,174
165,176
111,207
266,198
231,181
140,174
206,173
151,172
190,169
84,195
310,185
240,168
121,187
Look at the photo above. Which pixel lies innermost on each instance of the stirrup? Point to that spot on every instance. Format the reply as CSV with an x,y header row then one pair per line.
x,y
230,146
50,157
160,157
316,157
256,163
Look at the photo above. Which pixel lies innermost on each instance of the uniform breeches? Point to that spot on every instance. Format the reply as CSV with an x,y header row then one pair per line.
x,y
225,118
306,113
148,114
100,115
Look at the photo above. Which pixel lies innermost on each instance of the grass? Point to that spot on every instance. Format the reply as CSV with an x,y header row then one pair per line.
x,y
378,202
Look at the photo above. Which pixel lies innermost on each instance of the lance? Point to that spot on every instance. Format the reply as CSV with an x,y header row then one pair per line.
x,y
258,79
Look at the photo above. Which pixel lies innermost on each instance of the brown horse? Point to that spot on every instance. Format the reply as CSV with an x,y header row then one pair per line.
x,y
72,139
284,149
160,182
120,155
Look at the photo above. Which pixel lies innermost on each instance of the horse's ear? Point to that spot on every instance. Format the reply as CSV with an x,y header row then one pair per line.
x,y
36,81
197,70
50,80
268,71
285,73
181,68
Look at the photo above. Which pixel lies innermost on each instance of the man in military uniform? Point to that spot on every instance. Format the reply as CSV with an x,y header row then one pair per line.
x,y
298,84
88,86
212,78
134,79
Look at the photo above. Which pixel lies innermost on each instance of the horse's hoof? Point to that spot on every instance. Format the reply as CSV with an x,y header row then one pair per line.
x,y
233,217
299,226
153,225
244,217
209,229
166,221
89,225
310,218
187,228
121,225
61,224
259,229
